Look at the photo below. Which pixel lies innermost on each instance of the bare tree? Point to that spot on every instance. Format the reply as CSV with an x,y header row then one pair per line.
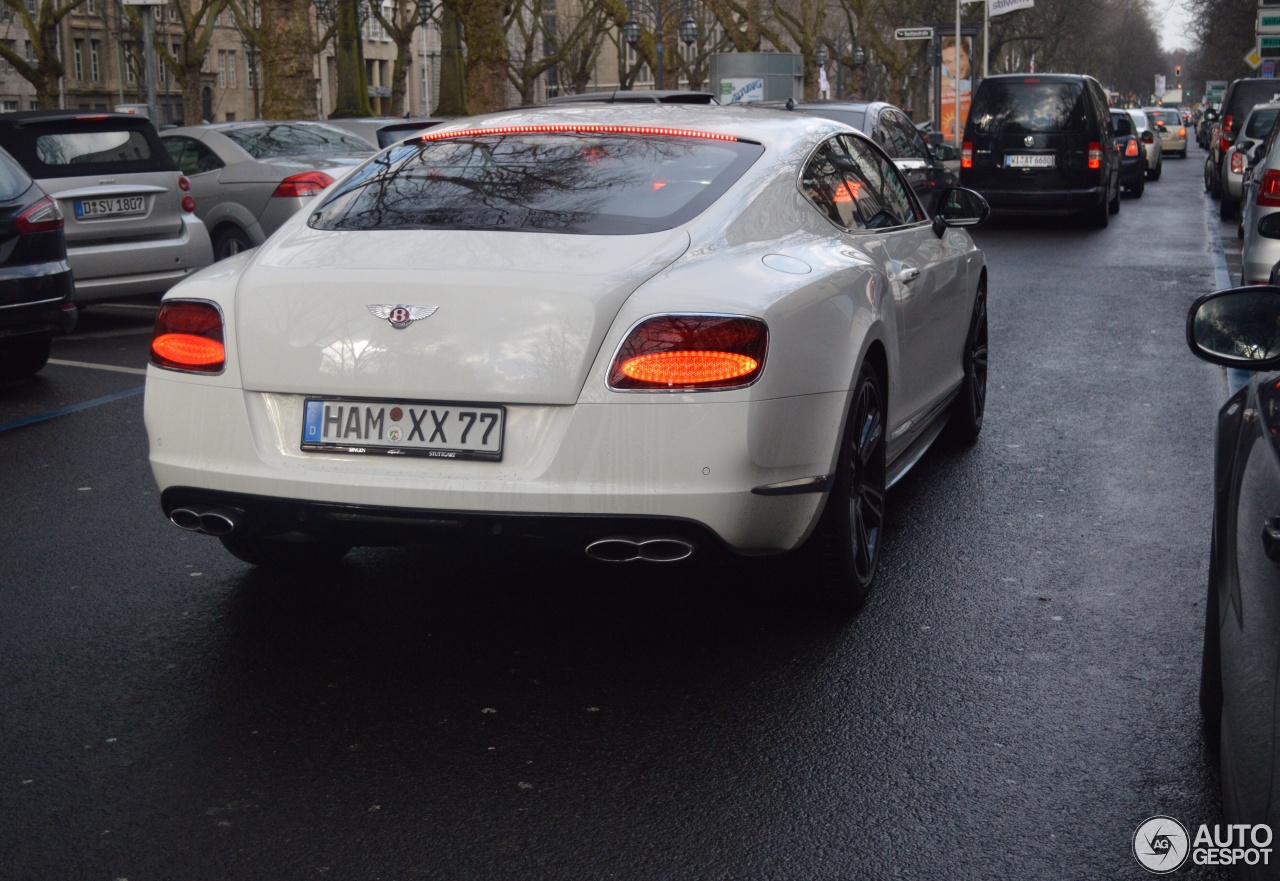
x,y
196,21
45,70
405,19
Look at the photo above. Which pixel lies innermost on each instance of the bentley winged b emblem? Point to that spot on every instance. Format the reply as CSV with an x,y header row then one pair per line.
x,y
400,315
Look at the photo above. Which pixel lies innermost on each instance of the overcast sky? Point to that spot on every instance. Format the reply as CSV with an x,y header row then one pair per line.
x,y
1171,19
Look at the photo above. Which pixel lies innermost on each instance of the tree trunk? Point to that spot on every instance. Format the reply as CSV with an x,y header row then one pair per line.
x,y
400,76
487,54
289,85
353,83
192,109
453,74
50,70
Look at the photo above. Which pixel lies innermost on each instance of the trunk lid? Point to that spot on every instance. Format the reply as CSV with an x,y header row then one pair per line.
x,y
519,316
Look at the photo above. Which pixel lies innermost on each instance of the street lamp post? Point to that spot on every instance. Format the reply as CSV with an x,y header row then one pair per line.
x,y
660,12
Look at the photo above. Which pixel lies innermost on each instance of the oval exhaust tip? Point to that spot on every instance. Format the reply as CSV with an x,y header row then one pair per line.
x,y
185,518
665,550
614,550
217,523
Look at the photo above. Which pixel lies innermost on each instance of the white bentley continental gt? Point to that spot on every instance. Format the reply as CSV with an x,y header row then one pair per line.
x,y
648,332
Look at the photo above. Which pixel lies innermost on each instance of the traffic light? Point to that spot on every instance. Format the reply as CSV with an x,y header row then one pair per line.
x,y
1177,71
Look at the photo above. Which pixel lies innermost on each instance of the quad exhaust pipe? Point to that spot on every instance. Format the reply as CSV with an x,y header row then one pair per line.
x,y
207,521
629,549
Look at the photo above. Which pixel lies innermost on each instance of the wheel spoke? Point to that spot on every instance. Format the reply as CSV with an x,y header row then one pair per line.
x,y
872,508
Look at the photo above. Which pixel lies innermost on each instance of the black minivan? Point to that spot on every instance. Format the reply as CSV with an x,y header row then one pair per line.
x,y
1042,144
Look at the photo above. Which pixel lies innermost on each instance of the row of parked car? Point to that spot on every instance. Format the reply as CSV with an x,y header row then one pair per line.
x,y
95,206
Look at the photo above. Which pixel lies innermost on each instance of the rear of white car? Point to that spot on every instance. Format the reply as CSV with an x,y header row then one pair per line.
x,y
130,219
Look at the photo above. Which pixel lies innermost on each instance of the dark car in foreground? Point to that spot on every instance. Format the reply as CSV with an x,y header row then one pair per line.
x,y
1239,698
1042,144
36,291
1133,158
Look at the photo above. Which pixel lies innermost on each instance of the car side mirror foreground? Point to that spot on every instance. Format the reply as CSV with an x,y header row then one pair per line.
x,y
945,153
1237,328
957,206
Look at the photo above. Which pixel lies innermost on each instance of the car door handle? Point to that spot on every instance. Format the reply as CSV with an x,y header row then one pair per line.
x,y
908,274
1271,538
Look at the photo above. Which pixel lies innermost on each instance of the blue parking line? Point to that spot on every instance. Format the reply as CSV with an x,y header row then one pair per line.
x,y
53,414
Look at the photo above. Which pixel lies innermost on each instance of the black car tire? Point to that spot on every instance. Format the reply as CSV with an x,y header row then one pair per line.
x,y
231,241
272,553
1154,174
1208,176
1211,669
24,356
1114,205
1099,215
971,405
1227,208
1139,188
844,550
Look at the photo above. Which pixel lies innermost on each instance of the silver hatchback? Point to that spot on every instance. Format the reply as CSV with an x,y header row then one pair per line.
x,y
129,215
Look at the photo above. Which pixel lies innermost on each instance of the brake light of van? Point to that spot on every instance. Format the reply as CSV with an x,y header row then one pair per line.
x,y
966,154
1269,190
1095,155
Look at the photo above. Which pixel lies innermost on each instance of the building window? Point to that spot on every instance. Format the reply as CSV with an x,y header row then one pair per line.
x,y
231,69
89,8
11,106
31,53
173,11
95,71
222,68
6,14
130,76
251,70
78,59
33,6
162,71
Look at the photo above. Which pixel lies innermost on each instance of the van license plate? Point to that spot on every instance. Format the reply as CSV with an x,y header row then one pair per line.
x,y
119,206
1030,160
386,428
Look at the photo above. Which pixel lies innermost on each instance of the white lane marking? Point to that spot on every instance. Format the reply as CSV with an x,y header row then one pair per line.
x,y
134,370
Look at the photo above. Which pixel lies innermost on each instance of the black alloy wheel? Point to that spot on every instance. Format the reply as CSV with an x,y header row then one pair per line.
x,y
846,545
971,403
231,241
24,356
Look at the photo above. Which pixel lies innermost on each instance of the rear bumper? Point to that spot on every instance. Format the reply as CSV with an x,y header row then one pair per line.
x,y
36,300
1132,171
1024,202
695,463
131,268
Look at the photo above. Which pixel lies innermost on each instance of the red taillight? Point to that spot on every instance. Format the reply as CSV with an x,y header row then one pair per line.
x,y
1182,134
1228,125
188,336
1269,189
1095,155
309,183
188,203
1237,163
690,352
966,154
184,184
1224,144
43,216
1132,149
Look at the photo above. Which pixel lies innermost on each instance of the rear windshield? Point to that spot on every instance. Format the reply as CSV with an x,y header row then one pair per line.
x,y
1015,107
1122,124
577,182
74,148
291,139
1246,94
1260,124
1169,118
853,118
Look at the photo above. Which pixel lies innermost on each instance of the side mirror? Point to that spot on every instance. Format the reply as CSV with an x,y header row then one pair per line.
x,y
1239,327
1148,137
958,207
945,153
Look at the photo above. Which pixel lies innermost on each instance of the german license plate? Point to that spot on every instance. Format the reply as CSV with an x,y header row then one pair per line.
x,y
116,206
1030,160
390,428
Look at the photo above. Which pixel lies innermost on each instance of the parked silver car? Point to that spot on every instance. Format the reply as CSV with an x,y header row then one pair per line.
x,y
248,178
129,215
1240,156
383,131
1171,128
1260,207
1150,139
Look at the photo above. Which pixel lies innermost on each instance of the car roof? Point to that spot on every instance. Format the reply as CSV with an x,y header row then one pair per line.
x,y
636,96
21,118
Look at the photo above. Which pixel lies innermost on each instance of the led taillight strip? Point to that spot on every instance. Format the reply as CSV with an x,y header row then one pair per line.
x,y
578,127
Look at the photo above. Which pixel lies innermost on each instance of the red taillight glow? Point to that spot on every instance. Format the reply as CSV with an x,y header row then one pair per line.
x,y
1095,155
1269,189
308,183
690,352
1228,125
43,216
1182,134
184,184
188,336
1237,163
572,128
966,155
1224,144
1132,148
188,203
847,192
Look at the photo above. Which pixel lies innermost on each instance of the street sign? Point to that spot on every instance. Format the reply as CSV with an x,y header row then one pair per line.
x,y
918,34
1268,22
1268,70
1268,47
1253,59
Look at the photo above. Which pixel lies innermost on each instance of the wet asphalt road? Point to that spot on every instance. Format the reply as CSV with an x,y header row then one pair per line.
x,y
1016,698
